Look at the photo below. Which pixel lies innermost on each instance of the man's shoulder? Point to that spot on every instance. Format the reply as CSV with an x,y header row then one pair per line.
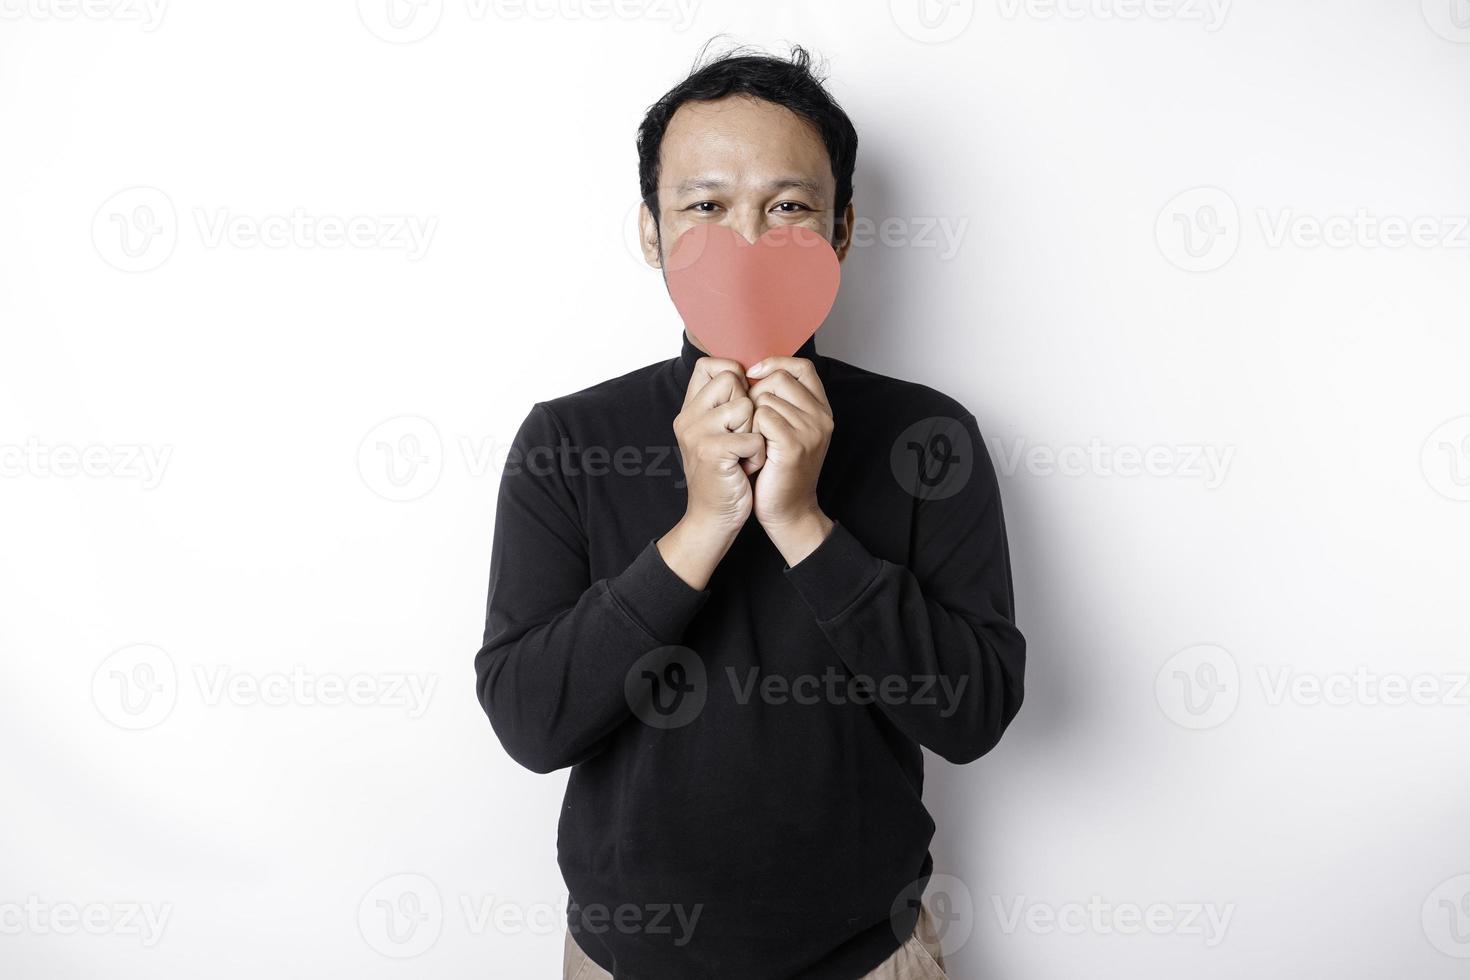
x,y
611,396
857,391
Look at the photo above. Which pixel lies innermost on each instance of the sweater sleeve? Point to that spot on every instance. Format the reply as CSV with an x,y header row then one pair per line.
x,y
558,646
940,631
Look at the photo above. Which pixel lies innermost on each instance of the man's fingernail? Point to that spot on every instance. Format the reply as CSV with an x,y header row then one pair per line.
x,y
756,370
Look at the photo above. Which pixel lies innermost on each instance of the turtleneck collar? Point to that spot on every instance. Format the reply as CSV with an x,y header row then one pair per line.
x,y
689,354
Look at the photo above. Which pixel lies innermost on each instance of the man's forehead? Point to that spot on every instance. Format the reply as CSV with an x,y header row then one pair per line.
x,y
720,182
739,138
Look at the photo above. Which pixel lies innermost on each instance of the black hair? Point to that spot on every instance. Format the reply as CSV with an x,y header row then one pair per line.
x,y
788,82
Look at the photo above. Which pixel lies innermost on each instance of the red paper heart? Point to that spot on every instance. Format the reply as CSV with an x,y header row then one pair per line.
x,y
749,301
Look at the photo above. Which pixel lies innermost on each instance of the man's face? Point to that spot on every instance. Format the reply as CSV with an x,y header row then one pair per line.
x,y
747,164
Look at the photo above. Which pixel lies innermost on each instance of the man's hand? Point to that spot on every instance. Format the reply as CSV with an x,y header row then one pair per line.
x,y
792,414
719,448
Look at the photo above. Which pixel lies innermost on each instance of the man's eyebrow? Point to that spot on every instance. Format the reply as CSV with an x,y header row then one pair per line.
x,y
701,184
778,184
796,183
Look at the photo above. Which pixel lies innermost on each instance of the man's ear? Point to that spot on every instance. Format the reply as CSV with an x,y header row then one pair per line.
x,y
842,233
648,236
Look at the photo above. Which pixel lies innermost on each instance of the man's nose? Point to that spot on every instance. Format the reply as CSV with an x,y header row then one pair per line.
x,y
749,224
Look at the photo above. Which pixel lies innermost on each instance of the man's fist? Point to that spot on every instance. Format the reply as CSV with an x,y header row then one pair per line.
x,y
717,444
793,416
719,447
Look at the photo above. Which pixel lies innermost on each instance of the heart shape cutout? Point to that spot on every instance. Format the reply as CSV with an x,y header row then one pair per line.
x,y
748,301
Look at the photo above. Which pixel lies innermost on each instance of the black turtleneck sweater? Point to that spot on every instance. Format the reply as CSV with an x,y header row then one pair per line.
x,y
745,799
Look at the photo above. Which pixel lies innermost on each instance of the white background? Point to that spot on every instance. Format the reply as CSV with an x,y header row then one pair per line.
x,y
326,425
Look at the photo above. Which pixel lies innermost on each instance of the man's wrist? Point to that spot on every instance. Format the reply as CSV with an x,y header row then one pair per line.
x,y
694,547
799,537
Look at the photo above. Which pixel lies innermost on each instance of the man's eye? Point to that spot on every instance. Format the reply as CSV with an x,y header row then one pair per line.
x,y
791,207
704,207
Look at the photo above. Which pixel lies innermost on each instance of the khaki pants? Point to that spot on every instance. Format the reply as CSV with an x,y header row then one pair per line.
x,y
917,959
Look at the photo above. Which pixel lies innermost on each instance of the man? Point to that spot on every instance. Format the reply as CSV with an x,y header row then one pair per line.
x,y
740,648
